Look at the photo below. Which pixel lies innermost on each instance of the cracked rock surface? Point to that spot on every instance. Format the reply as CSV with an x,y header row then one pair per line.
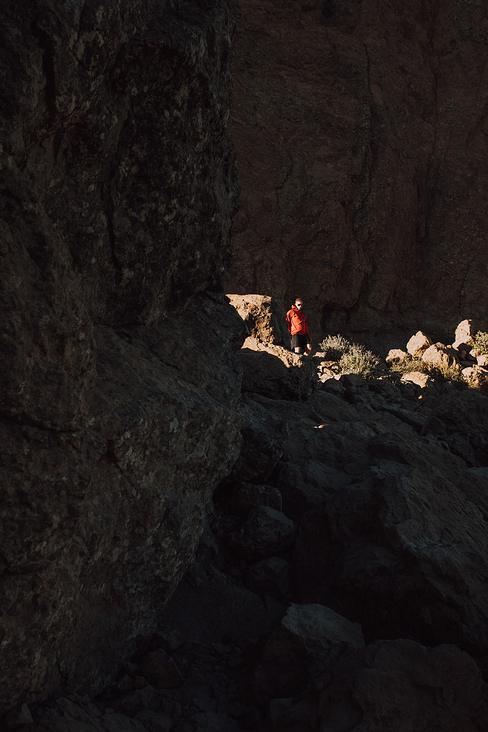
x,y
119,386
361,135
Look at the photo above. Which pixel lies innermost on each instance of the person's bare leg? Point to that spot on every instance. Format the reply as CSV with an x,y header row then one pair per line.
x,y
298,350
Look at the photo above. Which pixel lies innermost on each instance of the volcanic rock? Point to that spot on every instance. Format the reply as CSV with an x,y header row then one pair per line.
x,y
264,318
270,577
477,377
418,378
119,387
276,372
460,418
263,437
410,539
155,722
266,532
418,344
209,607
309,639
18,717
440,356
465,332
403,686
247,496
160,670
360,191
78,714
395,355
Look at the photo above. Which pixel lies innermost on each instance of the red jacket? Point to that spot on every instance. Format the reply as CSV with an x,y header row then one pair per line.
x,y
297,322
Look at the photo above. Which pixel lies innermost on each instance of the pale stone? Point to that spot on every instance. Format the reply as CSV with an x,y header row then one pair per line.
x,y
464,344
464,331
395,355
475,352
476,376
441,356
264,318
483,360
417,377
418,344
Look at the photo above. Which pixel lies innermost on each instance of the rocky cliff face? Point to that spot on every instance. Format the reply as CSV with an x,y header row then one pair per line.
x,y
118,382
361,137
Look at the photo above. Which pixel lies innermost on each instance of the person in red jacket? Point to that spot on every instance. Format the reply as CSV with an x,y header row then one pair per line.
x,y
297,325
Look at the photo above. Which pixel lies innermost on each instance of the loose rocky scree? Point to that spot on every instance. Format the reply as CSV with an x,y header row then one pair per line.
x,y
341,580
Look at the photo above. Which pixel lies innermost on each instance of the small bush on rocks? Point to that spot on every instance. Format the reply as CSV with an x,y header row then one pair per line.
x,y
445,373
334,346
481,341
353,358
358,360
408,365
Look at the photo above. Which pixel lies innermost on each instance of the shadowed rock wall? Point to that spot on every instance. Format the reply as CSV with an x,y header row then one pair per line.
x,y
118,386
360,131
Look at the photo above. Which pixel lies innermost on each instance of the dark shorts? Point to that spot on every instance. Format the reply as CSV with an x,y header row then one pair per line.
x,y
299,341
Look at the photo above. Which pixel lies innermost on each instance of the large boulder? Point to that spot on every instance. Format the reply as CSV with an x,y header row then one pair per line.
x,y
276,372
441,356
477,375
100,521
248,496
404,550
465,332
418,344
119,387
208,607
263,437
266,532
460,418
400,685
308,640
79,714
264,318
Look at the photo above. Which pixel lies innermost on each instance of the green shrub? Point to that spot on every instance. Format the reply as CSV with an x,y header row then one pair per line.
x,y
353,358
407,365
481,341
334,346
444,373
358,360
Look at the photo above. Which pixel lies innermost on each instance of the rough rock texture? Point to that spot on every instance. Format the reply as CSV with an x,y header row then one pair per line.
x,y
209,607
418,344
416,377
362,147
263,438
395,355
477,377
440,356
309,639
270,577
264,318
391,534
266,532
403,547
402,686
247,496
118,392
78,713
276,372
